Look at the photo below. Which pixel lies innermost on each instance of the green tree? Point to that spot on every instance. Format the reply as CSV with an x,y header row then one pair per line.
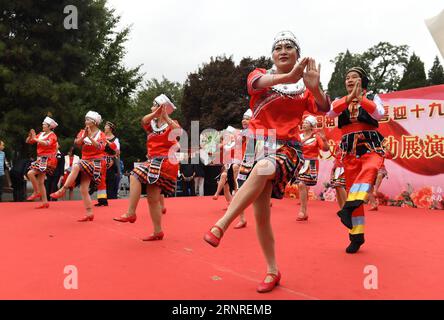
x,y
384,62
216,95
414,74
343,62
436,73
45,67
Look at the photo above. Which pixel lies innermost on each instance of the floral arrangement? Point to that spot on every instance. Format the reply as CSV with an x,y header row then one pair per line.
x,y
422,198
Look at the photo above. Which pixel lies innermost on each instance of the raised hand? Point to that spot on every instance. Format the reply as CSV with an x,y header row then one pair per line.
x,y
90,134
359,90
85,132
356,92
312,75
298,70
164,113
158,112
321,134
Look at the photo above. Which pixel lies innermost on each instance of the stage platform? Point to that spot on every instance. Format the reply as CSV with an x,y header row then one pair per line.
x,y
403,245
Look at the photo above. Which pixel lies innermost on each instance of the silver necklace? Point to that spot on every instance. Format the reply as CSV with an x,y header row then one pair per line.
x,y
156,128
289,89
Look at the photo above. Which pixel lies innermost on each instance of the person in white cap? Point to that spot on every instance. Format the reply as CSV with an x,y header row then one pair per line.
x,y
70,160
226,181
312,142
279,98
241,142
105,190
92,165
159,172
46,161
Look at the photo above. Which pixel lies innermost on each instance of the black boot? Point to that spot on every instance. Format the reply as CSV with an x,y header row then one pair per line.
x,y
346,212
102,202
356,241
346,218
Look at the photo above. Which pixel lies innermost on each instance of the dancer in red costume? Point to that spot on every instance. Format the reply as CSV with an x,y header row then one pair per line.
x,y
239,178
46,161
361,144
278,101
92,166
159,172
337,176
226,180
70,160
312,143
112,153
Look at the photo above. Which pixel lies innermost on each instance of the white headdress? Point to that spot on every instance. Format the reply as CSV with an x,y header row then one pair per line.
x,y
248,114
286,36
230,129
50,122
97,118
312,120
163,100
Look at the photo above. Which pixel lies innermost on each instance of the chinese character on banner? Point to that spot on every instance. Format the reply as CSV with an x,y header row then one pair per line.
x,y
434,146
400,113
417,110
411,147
392,145
386,116
432,107
330,122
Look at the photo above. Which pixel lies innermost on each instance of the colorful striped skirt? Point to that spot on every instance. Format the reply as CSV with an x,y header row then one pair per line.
x,y
46,165
159,172
287,159
94,168
308,175
337,179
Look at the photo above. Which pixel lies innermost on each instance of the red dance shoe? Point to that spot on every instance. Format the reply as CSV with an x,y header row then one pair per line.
x,y
34,196
302,217
86,218
164,210
211,237
154,237
240,225
58,194
131,218
373,208
268,286
43,206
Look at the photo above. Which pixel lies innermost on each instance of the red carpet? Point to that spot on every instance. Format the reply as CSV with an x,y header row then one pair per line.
x,y
113,263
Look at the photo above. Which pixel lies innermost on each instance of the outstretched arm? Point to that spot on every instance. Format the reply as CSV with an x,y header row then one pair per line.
x,y
269,80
